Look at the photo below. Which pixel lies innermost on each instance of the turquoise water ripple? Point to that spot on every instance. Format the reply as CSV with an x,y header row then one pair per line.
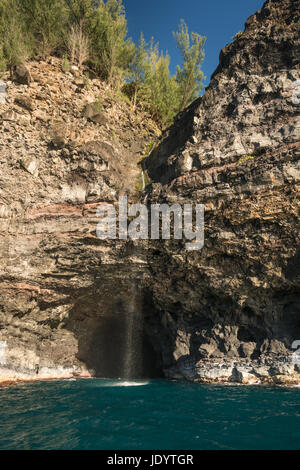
x,y
159,414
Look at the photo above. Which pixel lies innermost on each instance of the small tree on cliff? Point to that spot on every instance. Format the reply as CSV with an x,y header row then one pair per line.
x,y
189,76
112,53
80,11
78,44
159,91
45,21
138,69
15,46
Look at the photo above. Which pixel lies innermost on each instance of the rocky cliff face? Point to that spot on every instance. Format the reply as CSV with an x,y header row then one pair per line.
x,y
71,304
65,295
231,311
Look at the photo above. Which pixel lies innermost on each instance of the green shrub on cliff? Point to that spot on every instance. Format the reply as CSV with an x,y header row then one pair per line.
x,y
159,91
44,22
93,33
189,75
245,159
153,87
15,42
98,106
65,64
149,148
138,71
111,52
2,61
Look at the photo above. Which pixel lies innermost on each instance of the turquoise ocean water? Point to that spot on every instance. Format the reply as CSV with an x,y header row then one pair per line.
x,y
153,415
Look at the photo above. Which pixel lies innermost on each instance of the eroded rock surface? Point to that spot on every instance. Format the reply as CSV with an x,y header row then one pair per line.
x,y
231,312
65,295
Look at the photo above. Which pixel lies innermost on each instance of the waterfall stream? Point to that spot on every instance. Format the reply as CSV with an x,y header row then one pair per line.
x,y
132,362
143,164
143,180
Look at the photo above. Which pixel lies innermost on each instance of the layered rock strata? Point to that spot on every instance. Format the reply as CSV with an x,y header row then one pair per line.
x,y
66,297
231,312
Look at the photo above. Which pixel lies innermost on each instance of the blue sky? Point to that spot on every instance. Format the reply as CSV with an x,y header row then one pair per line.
x,y
218,20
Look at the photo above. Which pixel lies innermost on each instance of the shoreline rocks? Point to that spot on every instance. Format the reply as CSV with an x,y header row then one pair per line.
x,y
267,371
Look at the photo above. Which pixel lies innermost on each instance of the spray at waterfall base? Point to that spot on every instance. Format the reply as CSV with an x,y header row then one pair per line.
x,y
140,222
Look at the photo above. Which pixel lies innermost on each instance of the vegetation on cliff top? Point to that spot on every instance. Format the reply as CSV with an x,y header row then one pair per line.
x,y
93,34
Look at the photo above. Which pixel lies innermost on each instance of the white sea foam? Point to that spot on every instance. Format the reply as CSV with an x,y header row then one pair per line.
x,y
127,383
121,383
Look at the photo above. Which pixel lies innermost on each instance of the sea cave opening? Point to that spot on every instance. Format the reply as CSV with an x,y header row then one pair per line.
x,y
114,338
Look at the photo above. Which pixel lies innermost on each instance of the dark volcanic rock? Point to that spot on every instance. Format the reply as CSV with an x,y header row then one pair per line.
x,y
231,310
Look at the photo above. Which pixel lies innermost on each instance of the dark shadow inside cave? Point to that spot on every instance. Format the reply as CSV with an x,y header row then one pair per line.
x,y
112,334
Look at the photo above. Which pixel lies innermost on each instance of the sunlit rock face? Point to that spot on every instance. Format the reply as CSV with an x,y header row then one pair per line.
x,y
70,303
231,311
